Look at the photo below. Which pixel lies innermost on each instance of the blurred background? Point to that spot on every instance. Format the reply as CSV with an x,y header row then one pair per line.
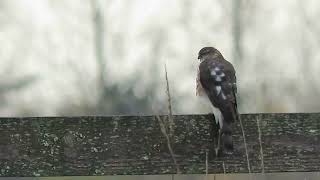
x,y
96,57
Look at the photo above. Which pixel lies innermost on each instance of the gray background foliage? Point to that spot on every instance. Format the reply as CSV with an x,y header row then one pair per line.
x,y
107,57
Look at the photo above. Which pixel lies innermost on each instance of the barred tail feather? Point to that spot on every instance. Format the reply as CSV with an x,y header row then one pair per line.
x,y
226,137
229,117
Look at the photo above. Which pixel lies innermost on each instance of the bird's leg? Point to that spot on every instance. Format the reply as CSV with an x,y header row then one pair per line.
x,y
217,149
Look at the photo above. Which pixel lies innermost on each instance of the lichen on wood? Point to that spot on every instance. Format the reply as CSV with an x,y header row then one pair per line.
x,y
114,145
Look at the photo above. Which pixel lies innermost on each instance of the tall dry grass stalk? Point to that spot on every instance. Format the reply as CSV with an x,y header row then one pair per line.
x,y
207,165
169,102
224,170
163,128
167,124
260,142
245,145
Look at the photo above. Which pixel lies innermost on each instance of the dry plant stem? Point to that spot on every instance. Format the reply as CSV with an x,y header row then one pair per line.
x,y
260,141
224,170
164,132
245,145
171,123
206,163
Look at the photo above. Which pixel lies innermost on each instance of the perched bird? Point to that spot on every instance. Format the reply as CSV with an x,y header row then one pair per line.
x,y
216,81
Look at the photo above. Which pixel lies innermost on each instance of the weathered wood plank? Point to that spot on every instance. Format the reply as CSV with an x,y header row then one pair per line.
x,y
229,176
64,146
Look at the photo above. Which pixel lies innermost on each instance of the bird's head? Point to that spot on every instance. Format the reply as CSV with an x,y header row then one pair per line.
x,y
208,52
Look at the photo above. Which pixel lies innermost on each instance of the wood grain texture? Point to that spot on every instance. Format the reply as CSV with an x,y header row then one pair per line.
x,y
65,146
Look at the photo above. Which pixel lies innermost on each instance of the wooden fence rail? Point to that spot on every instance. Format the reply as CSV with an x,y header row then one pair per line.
x,y
118,145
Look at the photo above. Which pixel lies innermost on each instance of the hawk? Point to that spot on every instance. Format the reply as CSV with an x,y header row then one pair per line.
x,y
216,81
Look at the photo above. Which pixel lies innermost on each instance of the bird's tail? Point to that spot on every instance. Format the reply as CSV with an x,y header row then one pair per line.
x,y
226,130
226,138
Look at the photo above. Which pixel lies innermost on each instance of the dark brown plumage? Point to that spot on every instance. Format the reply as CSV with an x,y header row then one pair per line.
x,y
218,80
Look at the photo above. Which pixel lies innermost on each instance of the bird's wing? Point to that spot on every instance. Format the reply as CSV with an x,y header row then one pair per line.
x,y
218,79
